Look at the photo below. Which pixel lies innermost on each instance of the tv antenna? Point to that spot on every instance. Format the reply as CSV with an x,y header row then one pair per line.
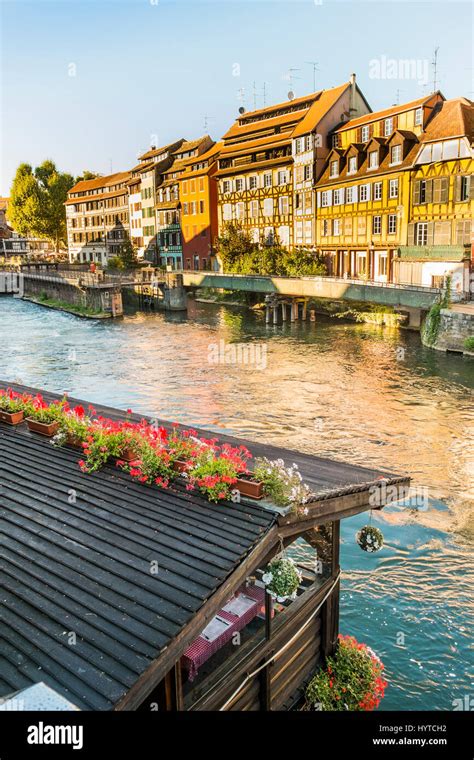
x,y
264,94
254,96
397,96
434,63
315,65
241,97
291,76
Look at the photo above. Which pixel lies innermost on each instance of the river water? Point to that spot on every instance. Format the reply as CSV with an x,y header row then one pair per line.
x,y
369,395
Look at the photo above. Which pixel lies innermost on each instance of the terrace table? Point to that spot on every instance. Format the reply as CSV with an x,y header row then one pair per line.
x,y
201,649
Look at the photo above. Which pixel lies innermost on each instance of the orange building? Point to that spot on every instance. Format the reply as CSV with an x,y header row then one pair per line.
x,y
198,198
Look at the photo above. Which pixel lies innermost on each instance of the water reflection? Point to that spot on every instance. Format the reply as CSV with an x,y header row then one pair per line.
x,y
361,393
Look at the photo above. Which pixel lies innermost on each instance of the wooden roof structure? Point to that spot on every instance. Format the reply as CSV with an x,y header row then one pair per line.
x,y
76,552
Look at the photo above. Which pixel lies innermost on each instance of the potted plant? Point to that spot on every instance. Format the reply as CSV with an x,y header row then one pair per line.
x,y
74,428
184,447
283,485
12,407
153,465
353,679
44,418
282,579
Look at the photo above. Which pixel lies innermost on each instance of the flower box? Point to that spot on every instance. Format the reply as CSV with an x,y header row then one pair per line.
x,y
128,455
180,465
73,441
249,487
11,418
43,428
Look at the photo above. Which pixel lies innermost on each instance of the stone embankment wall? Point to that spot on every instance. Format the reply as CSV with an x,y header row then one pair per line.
x,y
454,328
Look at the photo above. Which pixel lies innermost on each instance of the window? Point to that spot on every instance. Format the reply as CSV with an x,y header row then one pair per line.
x,y
463,231
351,194
377,191
185,208
336,227
253,183
282,177
201,207
334,169
396,154
418,116
364,133
253,209
201,184
376,225
326,198
268,207
226,186
308,172
335,141
307,142
240,209
299,201
373,159
227,212
308,203
392,224
239,185
283,205
393,188
462,188
364,193
352,165
267,179
421,237
299,145
326,227
338,197
185,187
388,127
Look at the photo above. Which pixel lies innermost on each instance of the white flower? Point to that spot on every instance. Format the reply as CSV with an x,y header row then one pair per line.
x,y
267,578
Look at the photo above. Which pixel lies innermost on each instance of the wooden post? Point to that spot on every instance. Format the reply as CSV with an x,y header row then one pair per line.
x,y
267,315
283,311
304,309
265,681
312,315
275,315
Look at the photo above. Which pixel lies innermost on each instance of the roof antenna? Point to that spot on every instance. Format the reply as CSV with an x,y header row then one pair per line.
x,y
434,63
265,94
207,119
290,76
314,64
241,97
254,96
397,97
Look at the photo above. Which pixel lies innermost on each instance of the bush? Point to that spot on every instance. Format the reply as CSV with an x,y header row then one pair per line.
x,y
353,679
469,343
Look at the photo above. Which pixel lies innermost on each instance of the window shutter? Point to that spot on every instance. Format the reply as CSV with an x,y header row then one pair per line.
x,y
430,233
457,187
437,191
318,194
411,231
429,191
416,192
444,189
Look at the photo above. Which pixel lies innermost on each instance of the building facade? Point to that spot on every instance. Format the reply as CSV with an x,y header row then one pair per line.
x,y
363,194
270,160
168,203
97,218
198,196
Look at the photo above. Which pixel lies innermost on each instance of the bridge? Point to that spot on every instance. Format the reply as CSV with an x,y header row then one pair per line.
x,y
403,297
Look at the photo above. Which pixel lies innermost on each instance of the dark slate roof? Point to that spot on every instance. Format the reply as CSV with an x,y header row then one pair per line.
x,y
85,568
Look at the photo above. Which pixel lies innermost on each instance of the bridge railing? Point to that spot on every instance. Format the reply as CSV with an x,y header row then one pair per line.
x,y
319,278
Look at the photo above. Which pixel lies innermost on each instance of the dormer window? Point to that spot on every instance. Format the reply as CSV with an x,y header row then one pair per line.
x,y
388,127
364,133
373,159
396,154
334,169
418,116
352,165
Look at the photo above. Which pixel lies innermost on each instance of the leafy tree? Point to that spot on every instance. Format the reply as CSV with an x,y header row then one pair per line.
x,y
234,244
37,201
127,258
86,175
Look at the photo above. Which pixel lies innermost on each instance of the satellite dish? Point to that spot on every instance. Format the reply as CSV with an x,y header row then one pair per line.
x,y
241,110
291,95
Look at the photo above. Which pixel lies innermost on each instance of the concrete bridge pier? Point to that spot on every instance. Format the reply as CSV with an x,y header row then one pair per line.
x,y
414,317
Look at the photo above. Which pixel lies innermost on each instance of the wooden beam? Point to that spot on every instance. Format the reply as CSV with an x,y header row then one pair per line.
x,y
157,670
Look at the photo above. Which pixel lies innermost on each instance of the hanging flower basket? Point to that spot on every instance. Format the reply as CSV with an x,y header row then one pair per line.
x,y
369,538
282,579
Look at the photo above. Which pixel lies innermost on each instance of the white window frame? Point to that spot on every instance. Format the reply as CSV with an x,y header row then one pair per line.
x,y
393,188
334,168
388,126
392,224
365,130
283,200
371,165
336,227
253,178
376,222
338,196
377,196
418,116
352,160
268,179
421,237
399,161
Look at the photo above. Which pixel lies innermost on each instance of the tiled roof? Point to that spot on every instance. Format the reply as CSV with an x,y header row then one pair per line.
x,y
385,113
192,144
236,149
319,108
213,151
156,151
362,175
93,184
451,118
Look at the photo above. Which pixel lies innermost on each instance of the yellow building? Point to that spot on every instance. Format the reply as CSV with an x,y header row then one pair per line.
x,y
363,195
441,212
270,160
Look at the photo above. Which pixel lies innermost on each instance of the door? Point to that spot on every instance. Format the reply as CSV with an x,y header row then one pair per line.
x,y
380,266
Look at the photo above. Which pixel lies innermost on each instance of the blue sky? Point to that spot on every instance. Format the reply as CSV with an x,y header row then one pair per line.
x,y
152,70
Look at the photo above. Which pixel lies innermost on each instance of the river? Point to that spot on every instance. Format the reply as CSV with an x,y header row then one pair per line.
x,y
369,395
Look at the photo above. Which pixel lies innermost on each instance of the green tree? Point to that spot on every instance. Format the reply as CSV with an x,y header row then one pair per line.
x,y
86,175
37,202
127,258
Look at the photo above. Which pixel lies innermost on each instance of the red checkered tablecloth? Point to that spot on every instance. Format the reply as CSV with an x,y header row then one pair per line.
x,y
200,650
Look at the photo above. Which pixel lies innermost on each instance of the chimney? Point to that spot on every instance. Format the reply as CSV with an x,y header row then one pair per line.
x,y
352,96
